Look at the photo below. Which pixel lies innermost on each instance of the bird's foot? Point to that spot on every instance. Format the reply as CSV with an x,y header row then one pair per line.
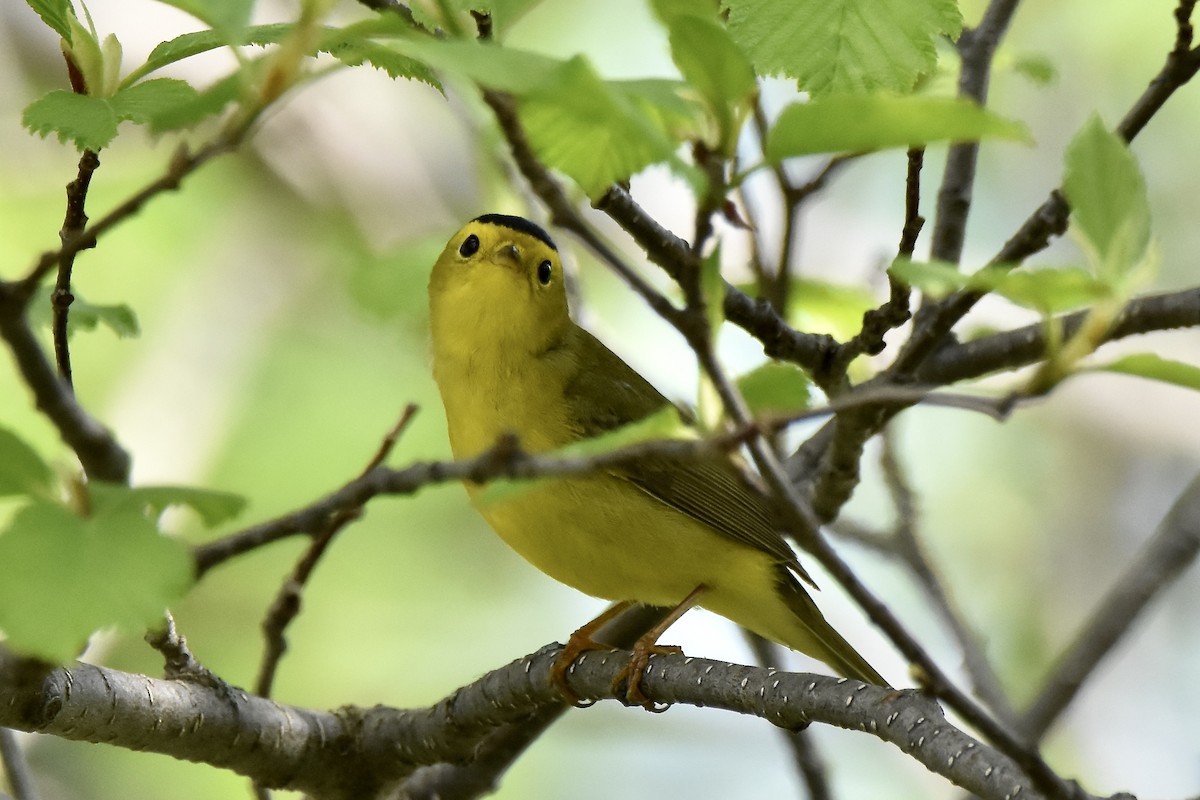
x,y
581,642
629,679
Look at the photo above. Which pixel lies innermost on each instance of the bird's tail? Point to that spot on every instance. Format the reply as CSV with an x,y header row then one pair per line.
x,y
819,638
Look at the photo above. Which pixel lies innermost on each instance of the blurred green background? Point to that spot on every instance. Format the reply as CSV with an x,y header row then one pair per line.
x,y
281,295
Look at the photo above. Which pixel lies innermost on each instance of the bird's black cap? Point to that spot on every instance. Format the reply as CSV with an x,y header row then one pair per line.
x,y
519,224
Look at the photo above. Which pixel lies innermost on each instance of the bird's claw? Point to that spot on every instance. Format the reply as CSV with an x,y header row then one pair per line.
x,y
628,682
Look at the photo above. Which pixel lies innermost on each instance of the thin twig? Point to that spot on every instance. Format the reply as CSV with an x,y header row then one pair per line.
x,y
1049,220
100,454
286,605
288,600
73,224
506,460
674,256
1027,345
878,322
976,48
1164,558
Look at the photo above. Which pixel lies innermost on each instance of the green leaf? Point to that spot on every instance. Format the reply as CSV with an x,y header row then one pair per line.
x,y
712,288
577,124
1035,67
22,470
853,123
1048,290
193,44
1149,365
504,68
355,51
206,103
776,388
935,279
844,45
56,14
229,18
63,576
144,102
663,101
710,62
212,506
89,122
822,307
1107,193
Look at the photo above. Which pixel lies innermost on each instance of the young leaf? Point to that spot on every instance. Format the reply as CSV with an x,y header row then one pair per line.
x,y
1149,365
89,122
144,102
776,388
935,279
213,507
229,18
712,288
55,13
504,68
63,576
822,307
710,62
119,318
193,44
208,102
22,470
577,124
1107,193
852,123
1047,290
844,45
355,51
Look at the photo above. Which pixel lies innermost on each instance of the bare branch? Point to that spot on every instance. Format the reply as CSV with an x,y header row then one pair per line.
x,y
286,605
1024,346
1050,218
101,455
73,224
976,48
355,753
507,460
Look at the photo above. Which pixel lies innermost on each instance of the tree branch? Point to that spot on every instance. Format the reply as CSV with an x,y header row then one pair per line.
x,y
1050,218
976,49
73,224
1024,346
101,455
358,753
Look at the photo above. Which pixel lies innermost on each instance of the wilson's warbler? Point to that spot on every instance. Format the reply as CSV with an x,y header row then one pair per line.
x,y
508,359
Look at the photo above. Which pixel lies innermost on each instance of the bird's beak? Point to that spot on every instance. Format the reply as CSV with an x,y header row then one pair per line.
x,y
508,255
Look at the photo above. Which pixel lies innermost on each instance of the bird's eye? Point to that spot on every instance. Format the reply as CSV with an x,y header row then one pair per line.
x,y
544,272
469,247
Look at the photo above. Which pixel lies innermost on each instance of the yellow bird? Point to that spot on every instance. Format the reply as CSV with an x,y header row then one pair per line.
x,y
507,358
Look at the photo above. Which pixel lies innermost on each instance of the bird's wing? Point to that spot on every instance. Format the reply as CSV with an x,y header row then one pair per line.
x,y
711,490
